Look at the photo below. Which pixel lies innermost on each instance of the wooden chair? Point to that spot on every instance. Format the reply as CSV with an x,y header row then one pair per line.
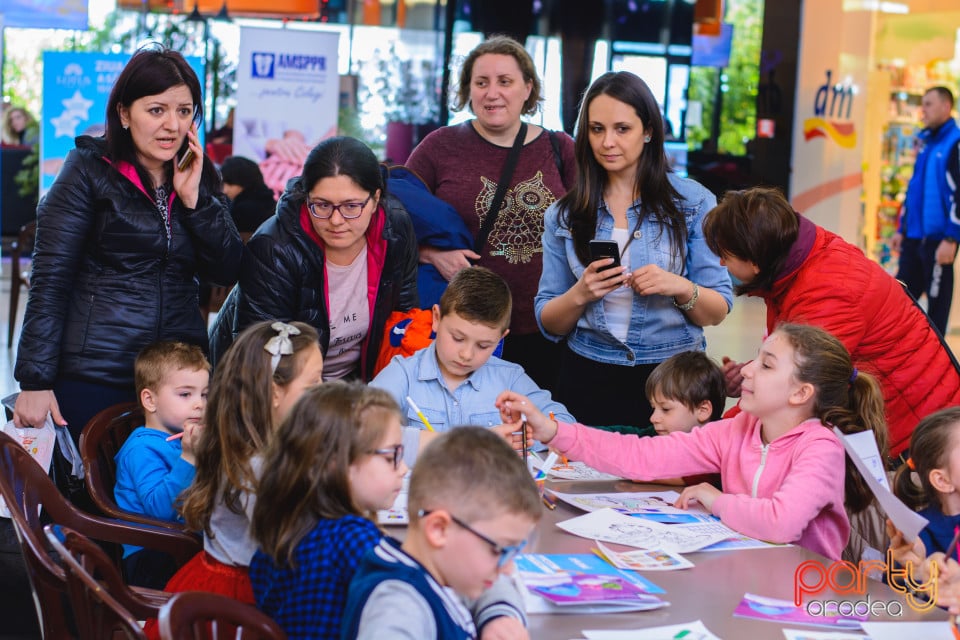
x,y
100,441
23,244
26,489
103,605
197,615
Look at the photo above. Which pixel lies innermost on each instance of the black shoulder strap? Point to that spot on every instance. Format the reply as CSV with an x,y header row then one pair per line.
x,y
557,157
505,176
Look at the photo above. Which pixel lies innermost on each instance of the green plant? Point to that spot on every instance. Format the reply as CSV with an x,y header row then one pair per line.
x,y
401,88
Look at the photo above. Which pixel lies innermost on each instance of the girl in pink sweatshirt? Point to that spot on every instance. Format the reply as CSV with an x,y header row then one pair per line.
x,y
782,469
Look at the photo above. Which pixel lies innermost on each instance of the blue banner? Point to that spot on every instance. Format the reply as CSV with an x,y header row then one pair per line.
x,y
76,88
45,14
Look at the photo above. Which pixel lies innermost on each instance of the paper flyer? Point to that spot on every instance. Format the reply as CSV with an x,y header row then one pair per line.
x,y
644,559
610,526
941,630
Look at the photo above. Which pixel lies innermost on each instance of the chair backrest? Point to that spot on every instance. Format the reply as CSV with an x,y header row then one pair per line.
x,y
103,606
27,489
198,615
100,441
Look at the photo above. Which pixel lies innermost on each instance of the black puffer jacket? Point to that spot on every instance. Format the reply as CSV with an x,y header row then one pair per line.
x,y
105,281
282,278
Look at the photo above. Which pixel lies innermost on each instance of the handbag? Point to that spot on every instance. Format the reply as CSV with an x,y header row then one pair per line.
x,y
505,176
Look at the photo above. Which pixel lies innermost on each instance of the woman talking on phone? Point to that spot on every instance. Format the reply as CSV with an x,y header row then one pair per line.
x,y
621,321
122,236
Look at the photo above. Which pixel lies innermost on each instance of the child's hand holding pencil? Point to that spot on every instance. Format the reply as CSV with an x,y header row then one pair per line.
x,y
514,406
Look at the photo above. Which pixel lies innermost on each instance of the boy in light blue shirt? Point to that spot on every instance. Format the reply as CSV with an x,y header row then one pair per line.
x,y
456,380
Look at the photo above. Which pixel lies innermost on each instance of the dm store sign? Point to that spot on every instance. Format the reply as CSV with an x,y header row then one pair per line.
x,y
831,114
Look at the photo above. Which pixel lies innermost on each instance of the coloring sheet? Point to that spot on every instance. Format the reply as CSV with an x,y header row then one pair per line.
x,y
572,470
610,526
866,447
651,505
644,559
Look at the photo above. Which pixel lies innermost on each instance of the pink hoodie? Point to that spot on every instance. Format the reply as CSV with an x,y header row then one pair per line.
x,y
790,490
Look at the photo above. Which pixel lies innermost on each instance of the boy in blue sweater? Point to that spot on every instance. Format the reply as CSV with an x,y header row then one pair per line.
x,y
472,505
456,380
156,463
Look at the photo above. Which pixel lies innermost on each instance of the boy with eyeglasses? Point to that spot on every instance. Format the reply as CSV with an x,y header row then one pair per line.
x,y
472,505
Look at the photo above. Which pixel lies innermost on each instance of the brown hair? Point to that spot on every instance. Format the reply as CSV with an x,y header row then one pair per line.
x,y
689,378
239,418
478,294
158,360
757,225
942,92
930,447
578,208
305,466
504,46
844,397
474,473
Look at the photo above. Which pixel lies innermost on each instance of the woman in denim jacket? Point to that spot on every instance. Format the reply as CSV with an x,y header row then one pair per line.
x,y
621,322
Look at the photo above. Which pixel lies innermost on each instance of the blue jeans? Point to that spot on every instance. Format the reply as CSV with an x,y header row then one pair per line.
x,y
923,276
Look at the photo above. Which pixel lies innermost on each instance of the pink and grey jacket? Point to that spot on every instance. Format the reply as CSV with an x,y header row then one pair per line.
x,y
790,490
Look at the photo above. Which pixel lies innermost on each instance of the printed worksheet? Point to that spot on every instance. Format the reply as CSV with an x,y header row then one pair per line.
x,y
784,611
941,630
800,634
610,526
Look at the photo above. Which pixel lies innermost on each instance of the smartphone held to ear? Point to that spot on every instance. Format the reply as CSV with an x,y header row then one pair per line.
x,y
600,249
185,160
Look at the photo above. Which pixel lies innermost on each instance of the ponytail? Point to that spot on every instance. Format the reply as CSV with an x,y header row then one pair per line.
x,y
864,411
930,447
846,398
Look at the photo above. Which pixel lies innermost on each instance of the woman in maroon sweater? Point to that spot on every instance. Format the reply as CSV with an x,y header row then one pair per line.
x,y
462,164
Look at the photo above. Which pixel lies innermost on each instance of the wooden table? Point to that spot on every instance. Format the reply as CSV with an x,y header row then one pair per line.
x,y
710,591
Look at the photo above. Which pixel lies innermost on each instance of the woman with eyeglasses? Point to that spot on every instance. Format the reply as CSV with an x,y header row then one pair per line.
x,y
338,254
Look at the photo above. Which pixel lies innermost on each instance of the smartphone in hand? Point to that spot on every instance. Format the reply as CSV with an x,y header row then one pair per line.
x,y
188,155
600,249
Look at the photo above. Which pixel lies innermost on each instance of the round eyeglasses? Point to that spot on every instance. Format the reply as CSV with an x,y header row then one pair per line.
x,y
506,553
349,210
395,454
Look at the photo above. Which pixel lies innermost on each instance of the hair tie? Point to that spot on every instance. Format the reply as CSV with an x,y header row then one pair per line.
x,y
853,375
910,464
280,344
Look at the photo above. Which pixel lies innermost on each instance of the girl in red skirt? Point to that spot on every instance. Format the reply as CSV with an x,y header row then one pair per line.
x,y
255,384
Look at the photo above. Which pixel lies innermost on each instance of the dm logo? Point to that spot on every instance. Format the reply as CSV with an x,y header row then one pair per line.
x,y
831,108
263,65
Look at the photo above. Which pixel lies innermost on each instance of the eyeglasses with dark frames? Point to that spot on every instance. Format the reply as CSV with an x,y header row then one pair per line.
x,y
349,210
506,552
395,452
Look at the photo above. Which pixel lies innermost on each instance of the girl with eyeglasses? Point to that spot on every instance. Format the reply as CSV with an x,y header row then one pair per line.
x,y
332,464
339,254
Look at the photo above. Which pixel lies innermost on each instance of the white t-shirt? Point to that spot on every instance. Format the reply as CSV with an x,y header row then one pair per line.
x,y
349,316
618,304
